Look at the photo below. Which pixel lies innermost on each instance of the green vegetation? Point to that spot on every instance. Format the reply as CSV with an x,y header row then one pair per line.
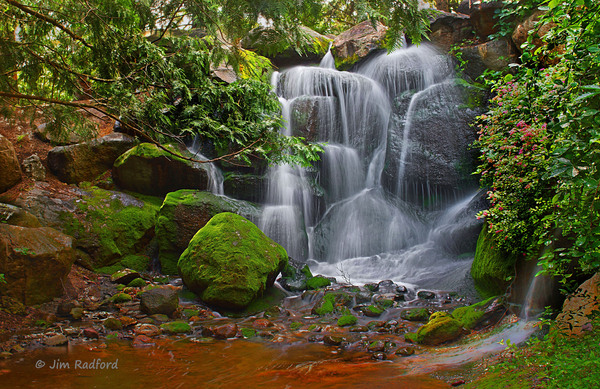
x,y
176,327
121,298
540,144
440,328
556,361
317,282
347,320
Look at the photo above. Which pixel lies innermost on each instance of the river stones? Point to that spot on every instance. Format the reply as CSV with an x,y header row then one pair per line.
x,y
230,262
159,300
440,328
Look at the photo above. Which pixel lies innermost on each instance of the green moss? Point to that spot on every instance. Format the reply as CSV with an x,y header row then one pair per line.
x,y
375,310
137,283
176,327
469,316
190,312
442,327
111,228
332,302
113,324
248,332
306,271
120,287
347,320
136,262
120,298
346,63
295,325
185,205
148,151
327,305
415,314
492,269
230,262
317,282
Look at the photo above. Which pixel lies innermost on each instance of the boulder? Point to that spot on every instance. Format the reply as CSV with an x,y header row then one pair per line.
x,y
449,29
496,55
183,213
528,26
35,263
107,226
151,170
481,314
16,216
86,161
230,262
579,308
10,170
56,134
484,18
33,167
162,300
356,43
492,269
440,328
248,187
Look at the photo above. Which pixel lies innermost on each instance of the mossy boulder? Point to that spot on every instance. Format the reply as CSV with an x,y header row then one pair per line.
x,y
151,170
481,314
492,269
317,282
35,263
86,161
440,328
415,314
357,42
230,262
347,320
333,302
183,213
176,327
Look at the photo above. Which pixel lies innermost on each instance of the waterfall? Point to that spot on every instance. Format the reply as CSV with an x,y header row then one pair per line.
x,y
215,176
387,199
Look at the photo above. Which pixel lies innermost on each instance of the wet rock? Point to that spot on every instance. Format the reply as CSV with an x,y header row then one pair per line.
x,y
347,320
372,311
112,324
147,330
247,187
332,302
35,263
379,356
295,275
91,333
318,282
120,298
10,170
143,341
405,351
160,318
64,307
386,287
230,262
333,340
359,329
495,55
163,300
176,327
186,211
482,314
376,346
127,321
426,295
150,170
56,340
262,323
226,331
33,167
449,29
440,328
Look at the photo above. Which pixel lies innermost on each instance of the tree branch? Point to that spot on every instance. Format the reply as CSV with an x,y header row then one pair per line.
x,y
48,19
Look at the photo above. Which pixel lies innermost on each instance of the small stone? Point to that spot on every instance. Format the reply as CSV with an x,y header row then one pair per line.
x,y
458,383
5,355
159,317
405,351
137,283
376,346
262,323
91,333
176,327
147,330
226,331
161,300
127,321
113,324
379,356
124,276
120,298
426,295
76,313
333,340
142,341
64,308
56,340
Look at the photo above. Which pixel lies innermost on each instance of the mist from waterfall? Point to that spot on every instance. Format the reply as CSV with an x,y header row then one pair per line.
x,y
382,203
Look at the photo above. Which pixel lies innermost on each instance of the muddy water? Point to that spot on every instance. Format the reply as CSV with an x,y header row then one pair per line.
x,y
219,364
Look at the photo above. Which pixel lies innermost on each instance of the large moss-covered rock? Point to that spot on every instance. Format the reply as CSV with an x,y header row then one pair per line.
x,y
183,213
230,262
86,161
35,263
107,226
151,170
481,314
492,269
440,328
10,170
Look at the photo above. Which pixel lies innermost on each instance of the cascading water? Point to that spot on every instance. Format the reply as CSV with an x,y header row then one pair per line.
x,y
382,203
